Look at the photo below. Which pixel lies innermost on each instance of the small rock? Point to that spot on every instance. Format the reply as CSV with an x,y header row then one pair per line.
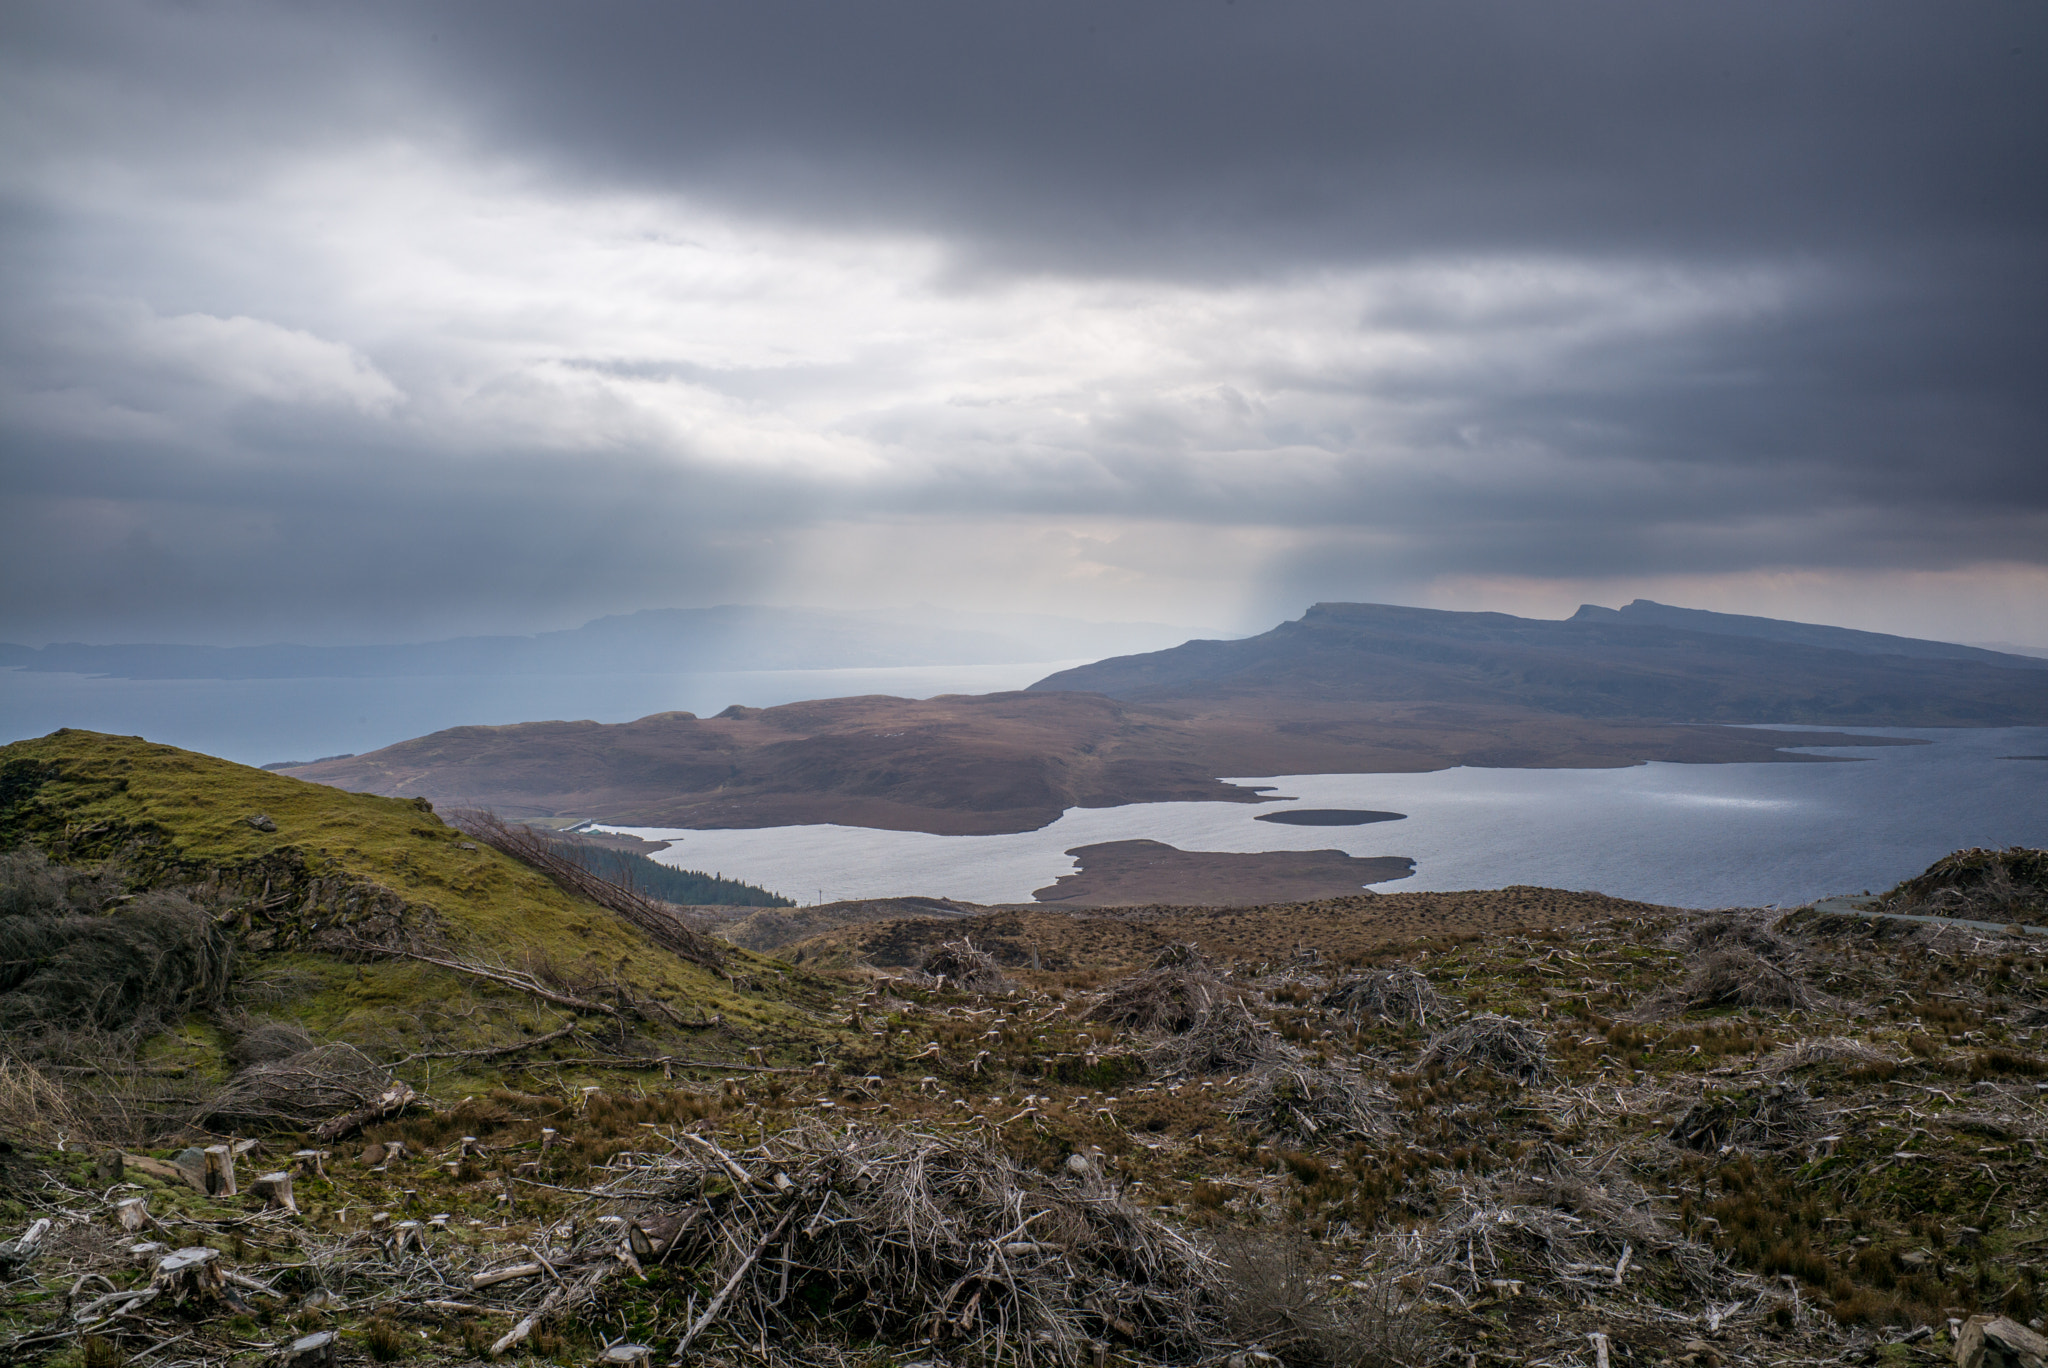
x,y
191,1161
262,821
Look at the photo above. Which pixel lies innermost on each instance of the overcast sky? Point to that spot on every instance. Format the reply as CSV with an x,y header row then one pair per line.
x,y
359,322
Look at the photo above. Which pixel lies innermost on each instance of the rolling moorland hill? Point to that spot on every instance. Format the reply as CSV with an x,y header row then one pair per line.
x,y
1642,662
1509,1127
1348,688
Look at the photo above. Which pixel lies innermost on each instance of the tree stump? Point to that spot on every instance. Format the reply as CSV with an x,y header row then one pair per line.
x,y
311,1161
310,1351
220,1170
111,1168
133,1213
276,1191
627,1356
16,1254
191,1275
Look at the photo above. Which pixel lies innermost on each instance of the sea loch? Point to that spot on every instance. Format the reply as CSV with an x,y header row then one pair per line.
x,y
1685,835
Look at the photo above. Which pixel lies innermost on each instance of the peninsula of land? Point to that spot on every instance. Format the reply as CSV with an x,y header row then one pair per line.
x,y
1347,688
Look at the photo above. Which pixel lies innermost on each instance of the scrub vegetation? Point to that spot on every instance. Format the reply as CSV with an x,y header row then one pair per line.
x,y
1646,1135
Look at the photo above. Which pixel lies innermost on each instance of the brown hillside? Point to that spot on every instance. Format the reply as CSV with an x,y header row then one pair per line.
x,y
983,764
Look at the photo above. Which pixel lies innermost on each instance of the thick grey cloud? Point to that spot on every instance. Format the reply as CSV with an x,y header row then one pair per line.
x,y
360,322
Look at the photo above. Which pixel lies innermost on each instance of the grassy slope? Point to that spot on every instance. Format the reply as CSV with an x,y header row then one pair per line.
x,y
174,816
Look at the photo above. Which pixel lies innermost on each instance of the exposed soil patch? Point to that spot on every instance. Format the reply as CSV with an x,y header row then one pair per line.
x,y
1135,873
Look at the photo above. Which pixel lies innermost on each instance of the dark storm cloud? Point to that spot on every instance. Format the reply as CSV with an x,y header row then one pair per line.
x,y
409,319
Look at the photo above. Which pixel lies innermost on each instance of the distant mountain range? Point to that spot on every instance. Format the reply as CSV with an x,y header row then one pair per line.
x,y
656,641
1347,688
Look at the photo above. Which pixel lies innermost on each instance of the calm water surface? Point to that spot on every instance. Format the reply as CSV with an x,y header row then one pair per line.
x,y
1688,835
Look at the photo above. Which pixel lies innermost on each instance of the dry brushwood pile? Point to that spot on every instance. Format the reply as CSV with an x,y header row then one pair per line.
x,y
1978,885
1393,996
1626,1144
896,1234
958,963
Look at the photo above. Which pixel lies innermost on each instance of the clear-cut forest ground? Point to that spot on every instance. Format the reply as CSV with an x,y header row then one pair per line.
x,y
473,1112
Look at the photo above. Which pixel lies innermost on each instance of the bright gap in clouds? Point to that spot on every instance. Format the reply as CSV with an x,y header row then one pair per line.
x,y
830,415
504,315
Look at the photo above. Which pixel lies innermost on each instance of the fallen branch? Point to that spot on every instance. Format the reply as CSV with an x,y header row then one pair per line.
x,y
390,1102
495,1051
718,1302
509,978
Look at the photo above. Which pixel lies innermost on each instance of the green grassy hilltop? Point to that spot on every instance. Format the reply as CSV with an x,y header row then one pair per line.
x,y
337,901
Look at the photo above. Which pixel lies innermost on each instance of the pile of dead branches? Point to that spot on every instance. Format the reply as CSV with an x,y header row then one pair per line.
x,y
1228,1039
1199,1024
1978,884
1177,993
1813,1053
963,965
899,1236
1733,976
1510,1048
295,1092
1278,1297
1398,995
658,921
1735,929
1776,1117
1289,1096
1566,1233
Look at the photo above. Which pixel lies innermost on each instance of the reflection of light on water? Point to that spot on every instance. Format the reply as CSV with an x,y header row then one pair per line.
x,y
1693,835
1716,800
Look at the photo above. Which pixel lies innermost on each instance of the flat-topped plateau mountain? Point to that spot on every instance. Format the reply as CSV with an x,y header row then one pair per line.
x,y
1643,662
1347,688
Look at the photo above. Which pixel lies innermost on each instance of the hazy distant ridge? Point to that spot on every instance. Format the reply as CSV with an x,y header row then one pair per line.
x,y
654,641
